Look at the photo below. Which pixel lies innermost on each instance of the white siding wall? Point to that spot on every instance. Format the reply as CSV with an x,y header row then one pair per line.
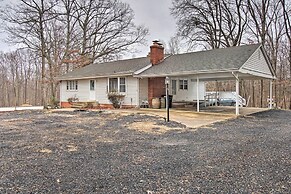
x,y
82,93
131,95
101,90
191,93
143,89
258,63
136,91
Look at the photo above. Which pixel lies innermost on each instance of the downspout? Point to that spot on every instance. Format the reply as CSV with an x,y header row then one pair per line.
x,y
138,93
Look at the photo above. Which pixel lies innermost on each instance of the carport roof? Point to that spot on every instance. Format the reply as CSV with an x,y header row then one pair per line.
x,y
230,59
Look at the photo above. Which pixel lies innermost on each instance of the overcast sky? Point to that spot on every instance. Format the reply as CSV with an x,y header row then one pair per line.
x,y
153,14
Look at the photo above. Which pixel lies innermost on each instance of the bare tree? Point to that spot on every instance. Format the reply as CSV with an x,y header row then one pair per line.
x,y
287,25
267,28
174,45
26,26
286,8
71,33
215,24
106,29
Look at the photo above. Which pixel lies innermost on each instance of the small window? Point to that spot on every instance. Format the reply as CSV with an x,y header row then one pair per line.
x,y
113,84
183,84
92,85
72,85
122,84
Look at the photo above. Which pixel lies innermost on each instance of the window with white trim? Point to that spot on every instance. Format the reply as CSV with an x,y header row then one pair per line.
x,y
72,85
117,84
92,85
183,84
122,87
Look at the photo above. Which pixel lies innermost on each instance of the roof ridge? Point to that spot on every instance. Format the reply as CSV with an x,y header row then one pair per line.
x,y
224,48
122,60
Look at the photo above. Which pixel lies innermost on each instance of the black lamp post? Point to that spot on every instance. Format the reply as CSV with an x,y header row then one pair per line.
x,y
167,81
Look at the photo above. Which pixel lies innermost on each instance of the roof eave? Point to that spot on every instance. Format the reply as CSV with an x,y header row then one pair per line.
x,y
256,73
94,77
189,73
139,71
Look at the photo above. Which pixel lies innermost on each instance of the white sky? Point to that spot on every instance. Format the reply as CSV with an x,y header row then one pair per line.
x,y
153,14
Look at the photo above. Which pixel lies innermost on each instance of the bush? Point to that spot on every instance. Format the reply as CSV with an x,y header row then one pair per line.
x,y
73,99
54,103
115,98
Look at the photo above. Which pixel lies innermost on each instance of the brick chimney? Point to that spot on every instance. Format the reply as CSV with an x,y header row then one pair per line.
x,y
157,52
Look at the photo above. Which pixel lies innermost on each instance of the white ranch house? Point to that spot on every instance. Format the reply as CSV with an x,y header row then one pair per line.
x,y
143,79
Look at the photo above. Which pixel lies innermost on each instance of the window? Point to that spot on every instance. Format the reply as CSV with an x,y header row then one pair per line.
x,y
72,85
183,84
122,84
117,84
174,87
92,85
113,84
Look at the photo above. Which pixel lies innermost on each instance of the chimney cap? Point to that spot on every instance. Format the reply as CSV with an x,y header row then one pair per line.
x,y
157,42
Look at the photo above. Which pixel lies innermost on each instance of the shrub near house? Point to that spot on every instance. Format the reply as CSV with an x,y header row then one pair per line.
x,y
116,99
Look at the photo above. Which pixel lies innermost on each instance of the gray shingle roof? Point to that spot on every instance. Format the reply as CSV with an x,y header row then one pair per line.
x,y
128,66
226,59
231,58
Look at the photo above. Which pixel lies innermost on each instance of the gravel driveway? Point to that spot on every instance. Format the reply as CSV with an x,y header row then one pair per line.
x,y
93,152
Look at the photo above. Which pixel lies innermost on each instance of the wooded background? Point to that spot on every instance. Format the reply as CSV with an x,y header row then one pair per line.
x,y
60,35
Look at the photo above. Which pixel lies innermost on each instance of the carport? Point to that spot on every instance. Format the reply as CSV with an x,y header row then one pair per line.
x,y
241,74
247,62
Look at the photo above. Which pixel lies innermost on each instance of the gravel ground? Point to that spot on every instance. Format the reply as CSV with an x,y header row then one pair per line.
x,y
102,152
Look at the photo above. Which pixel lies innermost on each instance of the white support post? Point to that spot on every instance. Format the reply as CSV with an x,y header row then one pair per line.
x,y
271,95
198,108
237,94
138,101
216,93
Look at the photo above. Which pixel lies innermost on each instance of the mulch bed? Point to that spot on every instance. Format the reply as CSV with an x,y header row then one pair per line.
x,y
104,152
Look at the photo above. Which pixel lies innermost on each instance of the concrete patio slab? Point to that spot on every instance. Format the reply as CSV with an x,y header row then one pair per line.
x,y
188,116
194,119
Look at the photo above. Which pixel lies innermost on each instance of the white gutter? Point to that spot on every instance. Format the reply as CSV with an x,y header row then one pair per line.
x,y
256,73
189,73
94,77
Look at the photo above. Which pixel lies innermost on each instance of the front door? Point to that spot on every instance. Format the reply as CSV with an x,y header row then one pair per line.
x,y
92,92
